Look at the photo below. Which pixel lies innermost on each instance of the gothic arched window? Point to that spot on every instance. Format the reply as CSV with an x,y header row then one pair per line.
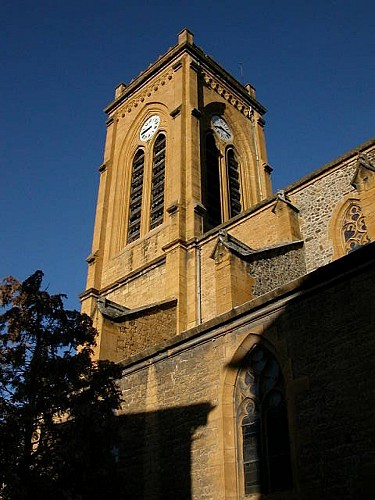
x,y
135,203
354,231
157,183
262,422
234,188
212,171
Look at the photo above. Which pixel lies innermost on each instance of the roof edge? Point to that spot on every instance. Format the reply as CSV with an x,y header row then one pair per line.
x,y
330,165
185,45
334,272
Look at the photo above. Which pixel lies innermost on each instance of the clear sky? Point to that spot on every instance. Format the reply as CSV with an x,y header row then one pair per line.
x,y
312,63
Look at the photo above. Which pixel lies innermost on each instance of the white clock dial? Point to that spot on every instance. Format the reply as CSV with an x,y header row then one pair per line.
x,y
221,128
149,127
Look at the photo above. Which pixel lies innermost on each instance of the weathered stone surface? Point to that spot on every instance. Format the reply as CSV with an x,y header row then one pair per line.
x,y
141,330
181,434
176,409
277,267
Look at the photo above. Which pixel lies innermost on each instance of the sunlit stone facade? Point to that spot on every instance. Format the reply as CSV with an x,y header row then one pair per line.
x,y
242,318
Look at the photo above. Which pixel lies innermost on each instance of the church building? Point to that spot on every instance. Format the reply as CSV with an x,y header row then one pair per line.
x,y
243,319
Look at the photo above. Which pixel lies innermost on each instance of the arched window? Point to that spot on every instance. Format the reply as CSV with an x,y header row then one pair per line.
x,y
212,175
354,231
262,422
234,188
136,188
157,183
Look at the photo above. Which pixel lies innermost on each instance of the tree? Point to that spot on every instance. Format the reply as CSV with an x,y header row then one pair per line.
x,y
57,405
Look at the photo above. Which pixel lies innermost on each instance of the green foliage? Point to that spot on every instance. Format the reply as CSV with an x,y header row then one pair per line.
x,y
57,420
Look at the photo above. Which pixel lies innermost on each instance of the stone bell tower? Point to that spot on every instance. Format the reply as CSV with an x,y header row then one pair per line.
x,y
184,153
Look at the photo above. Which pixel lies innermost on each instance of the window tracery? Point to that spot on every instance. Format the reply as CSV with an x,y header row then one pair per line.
x,y
263,425
354,231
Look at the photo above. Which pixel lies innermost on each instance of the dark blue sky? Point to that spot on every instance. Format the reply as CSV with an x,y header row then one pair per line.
x,y
312,63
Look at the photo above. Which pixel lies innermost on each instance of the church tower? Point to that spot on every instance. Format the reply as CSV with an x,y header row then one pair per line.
x,y
185,153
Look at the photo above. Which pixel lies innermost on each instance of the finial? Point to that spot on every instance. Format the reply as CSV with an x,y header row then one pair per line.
x,y
120,89
185,36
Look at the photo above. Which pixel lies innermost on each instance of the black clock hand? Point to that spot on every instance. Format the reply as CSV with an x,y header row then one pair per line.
x,y
223,129
147,129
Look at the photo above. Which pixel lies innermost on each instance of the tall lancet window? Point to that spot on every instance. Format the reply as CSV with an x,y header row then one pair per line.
x,y
234,187
135,204
157,185
262,423
212,171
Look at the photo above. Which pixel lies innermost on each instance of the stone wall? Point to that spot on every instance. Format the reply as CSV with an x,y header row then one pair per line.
x,y
134,256
178,396
271,269
330,341
179,422
317,200
140,331
144,287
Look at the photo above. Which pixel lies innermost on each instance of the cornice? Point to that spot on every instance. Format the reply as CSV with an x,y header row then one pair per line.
x,y
245,106
145,268
226,85
142,94
350,156
118,313
145,76
214,75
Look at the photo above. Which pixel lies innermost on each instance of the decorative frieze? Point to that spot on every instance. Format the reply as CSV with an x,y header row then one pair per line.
x,y
227,94
145,93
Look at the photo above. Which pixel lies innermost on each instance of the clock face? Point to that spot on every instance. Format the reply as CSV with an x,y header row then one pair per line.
x,y
221,128
149,128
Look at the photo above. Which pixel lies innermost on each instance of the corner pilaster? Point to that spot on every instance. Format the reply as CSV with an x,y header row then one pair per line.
x,y
233,282
287,223
364,182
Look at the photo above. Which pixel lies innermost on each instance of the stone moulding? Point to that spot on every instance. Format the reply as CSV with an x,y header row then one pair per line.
x,y
365,170
281,197
118,313
255,309
266,252
227,94
127,106
235,246
243,251
176,111
92,257
200,62
145,268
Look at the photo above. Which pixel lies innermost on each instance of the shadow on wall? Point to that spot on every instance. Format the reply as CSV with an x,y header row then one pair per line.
x,y
304,397
154,457
305,390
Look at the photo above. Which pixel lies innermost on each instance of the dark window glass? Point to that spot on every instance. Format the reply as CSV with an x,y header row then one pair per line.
x,y
157,185
212,198
136,189
233,184
265,435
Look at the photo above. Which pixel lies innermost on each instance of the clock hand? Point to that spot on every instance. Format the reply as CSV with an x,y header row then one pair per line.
x,y
147,129
223,129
